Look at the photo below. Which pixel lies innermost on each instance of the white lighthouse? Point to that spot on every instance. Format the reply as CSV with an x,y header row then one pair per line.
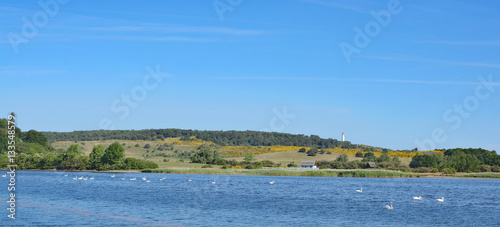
x,y
343,137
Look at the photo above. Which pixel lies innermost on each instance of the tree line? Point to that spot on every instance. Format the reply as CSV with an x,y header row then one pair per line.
x,y
110,158
459,159
33,151
222,138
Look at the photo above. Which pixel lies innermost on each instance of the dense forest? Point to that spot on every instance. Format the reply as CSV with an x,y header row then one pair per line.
x,y
223,138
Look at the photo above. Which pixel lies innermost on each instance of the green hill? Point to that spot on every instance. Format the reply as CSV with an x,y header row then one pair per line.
x,y
223,138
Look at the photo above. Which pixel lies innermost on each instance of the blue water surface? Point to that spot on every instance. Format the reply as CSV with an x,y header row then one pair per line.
x,y
46,198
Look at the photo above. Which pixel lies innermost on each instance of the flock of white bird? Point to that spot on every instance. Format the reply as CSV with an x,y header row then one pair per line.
x,y
124,178
390,207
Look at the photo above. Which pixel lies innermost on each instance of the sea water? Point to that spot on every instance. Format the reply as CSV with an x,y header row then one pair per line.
x,y
45,198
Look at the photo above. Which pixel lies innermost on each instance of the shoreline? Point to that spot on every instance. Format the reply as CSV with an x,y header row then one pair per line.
x,y
89,171
324,173
298,173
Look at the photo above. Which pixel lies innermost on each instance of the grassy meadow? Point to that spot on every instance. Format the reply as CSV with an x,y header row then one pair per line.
x,y
182,165
133,151
137,152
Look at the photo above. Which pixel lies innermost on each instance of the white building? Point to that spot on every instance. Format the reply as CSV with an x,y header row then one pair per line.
x,y
308,164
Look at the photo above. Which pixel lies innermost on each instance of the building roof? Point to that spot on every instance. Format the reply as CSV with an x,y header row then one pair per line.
x,y
371,164
308,163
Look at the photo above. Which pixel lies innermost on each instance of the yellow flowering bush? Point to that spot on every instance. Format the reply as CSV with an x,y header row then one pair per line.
x,y
242,151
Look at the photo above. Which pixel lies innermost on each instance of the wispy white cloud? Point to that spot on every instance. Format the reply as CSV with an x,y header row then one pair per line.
x,y
14,71
382,80
336,4
430,82
68,37
430,10
147,38
177,29
458,63
274,78
464,43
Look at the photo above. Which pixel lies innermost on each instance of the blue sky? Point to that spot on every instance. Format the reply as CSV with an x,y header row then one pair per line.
x,y
258,65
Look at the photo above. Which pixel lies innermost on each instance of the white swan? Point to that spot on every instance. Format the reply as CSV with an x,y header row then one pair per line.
x,y
213,182
112,175
92,178
144,178
417,198
5,175
123,178
133,178
189,179
440,200
361,190
272,182
389,207
148,181
66,175
85,178
75,178
80,178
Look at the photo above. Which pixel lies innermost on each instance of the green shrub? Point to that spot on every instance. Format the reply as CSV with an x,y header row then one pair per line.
x,y
206,154
134,163
352,165
385,165
292,164
251,166
322,164
342,158
337,165
383,158
166,160
404,169
206,166
424,170
359,154
267,163
449,171
434,170
4,161
312,152
392,168
369,157
495,169
147,146
485,168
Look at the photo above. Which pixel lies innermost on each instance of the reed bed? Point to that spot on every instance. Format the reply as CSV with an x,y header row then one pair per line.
x,y
310,173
